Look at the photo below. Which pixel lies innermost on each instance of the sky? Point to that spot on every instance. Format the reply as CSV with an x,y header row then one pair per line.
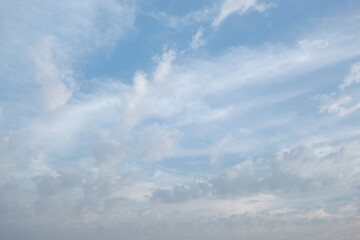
x,y
179,119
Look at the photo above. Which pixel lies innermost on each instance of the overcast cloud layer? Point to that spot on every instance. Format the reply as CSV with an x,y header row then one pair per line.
x,y
161,119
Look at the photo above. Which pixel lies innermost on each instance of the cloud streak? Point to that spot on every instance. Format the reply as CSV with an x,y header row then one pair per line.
x,y
229,7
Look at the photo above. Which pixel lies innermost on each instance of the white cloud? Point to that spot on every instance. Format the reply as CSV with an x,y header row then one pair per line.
x,y
196,17
164,66
133,101
229,7
156,142
45,40
57,82
218,148
353,77
348,102
317,43
333,105
198,39
181,96
215,14
175,94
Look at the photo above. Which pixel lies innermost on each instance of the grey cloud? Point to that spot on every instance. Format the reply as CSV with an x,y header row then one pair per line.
x,y
298,170
243,184
182,193
49,185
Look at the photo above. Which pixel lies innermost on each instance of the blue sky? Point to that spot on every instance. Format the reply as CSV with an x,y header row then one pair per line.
x,y
179,119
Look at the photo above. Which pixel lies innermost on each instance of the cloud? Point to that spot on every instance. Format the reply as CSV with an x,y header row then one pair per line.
x,y
348,101
176,90
196,17
114,159
164,66
57,83
198,39
156,142
109,151
46,40
182,193
236,142
229,7
298,170
134,99
174,97
332,105
353,77
313,44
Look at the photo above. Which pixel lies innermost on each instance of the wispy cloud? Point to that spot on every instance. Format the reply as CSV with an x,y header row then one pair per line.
x,y
348,101
229,7
192,18
198,39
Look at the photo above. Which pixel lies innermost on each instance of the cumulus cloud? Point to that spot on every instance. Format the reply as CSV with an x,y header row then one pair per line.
x,y
298,170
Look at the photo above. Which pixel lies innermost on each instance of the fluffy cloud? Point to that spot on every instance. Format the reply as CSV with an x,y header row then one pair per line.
x,y
265,197
299,170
